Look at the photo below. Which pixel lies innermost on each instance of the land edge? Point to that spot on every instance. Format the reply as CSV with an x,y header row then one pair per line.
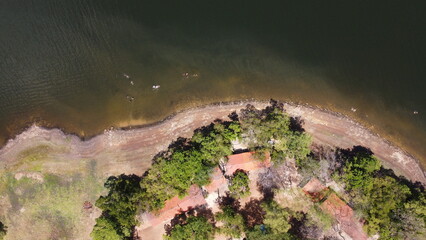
x,y
420,175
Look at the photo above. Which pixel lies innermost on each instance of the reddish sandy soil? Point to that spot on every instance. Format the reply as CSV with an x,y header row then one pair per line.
x,y
130,151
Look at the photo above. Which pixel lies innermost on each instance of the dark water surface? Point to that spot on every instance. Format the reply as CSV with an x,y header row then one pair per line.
x,y
64,62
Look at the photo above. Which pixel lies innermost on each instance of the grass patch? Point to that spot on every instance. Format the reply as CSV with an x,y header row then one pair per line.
x,y
48,209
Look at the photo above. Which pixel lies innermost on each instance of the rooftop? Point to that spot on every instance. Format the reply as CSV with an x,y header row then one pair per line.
x,y
315,189
246,161
337,208
345,216
217,181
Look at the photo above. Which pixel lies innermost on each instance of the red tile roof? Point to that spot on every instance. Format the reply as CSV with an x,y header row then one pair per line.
x,y
345,216
315,189
217,181
337,208
176,204
246,161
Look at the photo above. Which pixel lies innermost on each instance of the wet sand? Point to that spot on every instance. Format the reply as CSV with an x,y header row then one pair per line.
x,y
131,150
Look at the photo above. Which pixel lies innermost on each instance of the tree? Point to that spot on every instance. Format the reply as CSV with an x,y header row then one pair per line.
x,y
409,221
387,203
2,230
261,232
359,170
118,207
316,220
239,184
277,218
195,228
270,130
189,163
233,222
386,196
105,229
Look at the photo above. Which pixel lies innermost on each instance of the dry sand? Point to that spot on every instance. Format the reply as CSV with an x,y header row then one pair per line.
x,y
131,150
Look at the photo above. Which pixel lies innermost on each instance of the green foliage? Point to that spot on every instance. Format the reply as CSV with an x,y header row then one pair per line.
x,y
215,143
171,174
270,130
2,230
105,229
233,222
277,218
359,170
239,184
119,207
387,203
410,221
317,217
276,223
195,228
309,168
261,232
385,197
190,164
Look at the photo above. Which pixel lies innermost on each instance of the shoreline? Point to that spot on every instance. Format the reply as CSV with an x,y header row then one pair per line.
x,y
130,149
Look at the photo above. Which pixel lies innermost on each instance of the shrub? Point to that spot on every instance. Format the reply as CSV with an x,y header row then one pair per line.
x,y
195,228
239,184
233,222
270,130
118,208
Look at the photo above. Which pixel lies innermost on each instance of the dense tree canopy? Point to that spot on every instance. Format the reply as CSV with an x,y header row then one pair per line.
x,y
276,223
106,229
173,173
270,130
233,222
359,170
262,232
239,184
118,208
389,206
195,228
277,218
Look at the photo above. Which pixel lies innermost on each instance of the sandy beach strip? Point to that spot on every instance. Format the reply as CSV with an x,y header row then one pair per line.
x,y
131,150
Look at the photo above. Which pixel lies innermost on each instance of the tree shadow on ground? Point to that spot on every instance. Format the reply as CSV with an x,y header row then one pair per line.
x,y
355,151
266,184
296,124
229,201
253,213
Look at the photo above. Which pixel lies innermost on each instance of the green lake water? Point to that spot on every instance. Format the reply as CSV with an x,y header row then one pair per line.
x,y
75,64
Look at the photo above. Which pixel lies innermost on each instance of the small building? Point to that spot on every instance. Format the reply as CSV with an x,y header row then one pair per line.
x,y
315,189
217,181
336,207
246,161
344,215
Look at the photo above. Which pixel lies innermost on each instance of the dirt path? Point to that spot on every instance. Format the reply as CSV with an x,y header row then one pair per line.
x,y
131,151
